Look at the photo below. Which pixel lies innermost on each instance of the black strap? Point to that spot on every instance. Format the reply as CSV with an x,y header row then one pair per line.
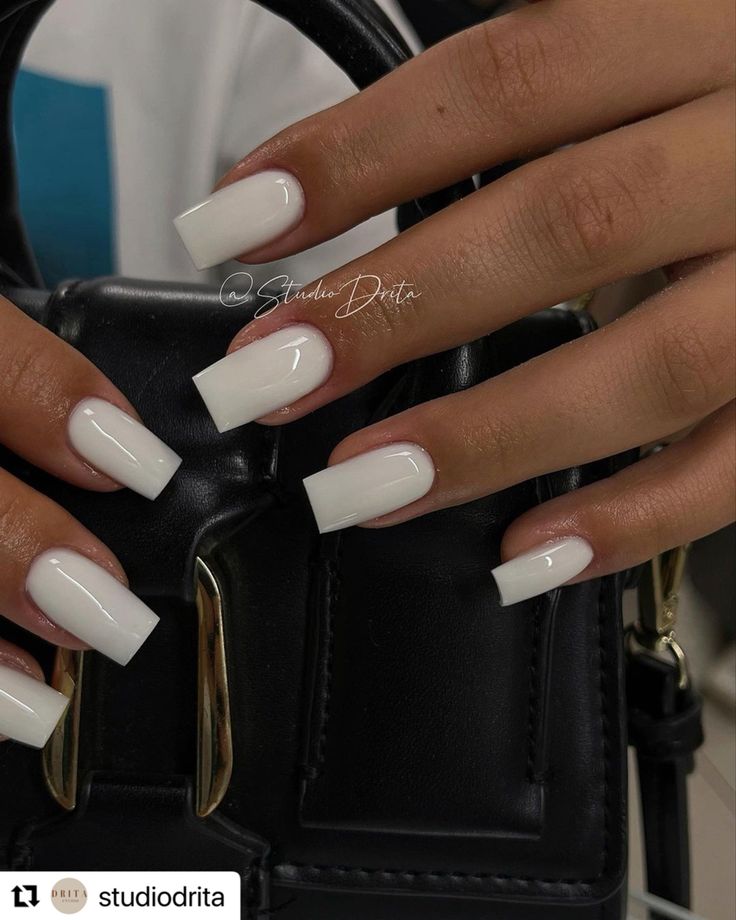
x,y
356,34
665,728
17,20
434,20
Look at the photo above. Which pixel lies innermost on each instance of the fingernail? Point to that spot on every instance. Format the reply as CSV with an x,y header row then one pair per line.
x,y
29,709
542,569
85,599
241,217
120,447
266,375
369,485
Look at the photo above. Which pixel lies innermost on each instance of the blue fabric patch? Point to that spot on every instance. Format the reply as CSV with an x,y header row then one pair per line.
x,y
65,175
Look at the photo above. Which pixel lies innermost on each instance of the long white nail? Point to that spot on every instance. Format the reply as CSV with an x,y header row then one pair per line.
x,y
85,599
369,485
29,708
266,375
542,569
241,217
119,446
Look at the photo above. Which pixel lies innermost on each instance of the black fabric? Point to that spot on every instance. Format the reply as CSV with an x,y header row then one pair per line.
x,y
434,20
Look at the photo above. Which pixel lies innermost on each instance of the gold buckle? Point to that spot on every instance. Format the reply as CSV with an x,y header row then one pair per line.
x,y
214,733
60,757
654,631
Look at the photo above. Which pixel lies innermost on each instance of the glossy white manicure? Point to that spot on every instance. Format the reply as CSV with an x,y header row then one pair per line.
x,y
85,599
369,485
119,446
542,569
241,217
29,708
266,375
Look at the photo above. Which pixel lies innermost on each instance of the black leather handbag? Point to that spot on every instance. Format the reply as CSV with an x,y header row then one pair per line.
x,y
351,722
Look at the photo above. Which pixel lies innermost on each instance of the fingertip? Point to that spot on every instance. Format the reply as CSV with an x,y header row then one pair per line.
x,y
13,657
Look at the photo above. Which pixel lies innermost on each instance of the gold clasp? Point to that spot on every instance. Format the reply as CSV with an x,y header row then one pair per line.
x,y
214,734
659,595
60,757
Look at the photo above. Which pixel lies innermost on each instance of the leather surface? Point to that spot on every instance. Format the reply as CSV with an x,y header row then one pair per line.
x,y
666,729
395,730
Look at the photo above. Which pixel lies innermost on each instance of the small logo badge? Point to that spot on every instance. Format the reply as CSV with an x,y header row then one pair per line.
x,y
68,896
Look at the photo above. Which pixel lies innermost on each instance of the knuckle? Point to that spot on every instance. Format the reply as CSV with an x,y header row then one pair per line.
x,y
376,298
497,440
25,370
508,69
591,213
504,69
685,377
652,518
340,149
12,514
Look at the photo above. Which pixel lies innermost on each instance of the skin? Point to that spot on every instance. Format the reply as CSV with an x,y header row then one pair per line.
x,y
43,380
648,184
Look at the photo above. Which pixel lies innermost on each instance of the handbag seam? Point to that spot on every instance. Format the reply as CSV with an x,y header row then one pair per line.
x,y
332,597
533,720
321,869
605,730
533,713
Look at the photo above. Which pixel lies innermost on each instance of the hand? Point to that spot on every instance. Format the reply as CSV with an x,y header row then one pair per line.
x,y
635,101
56,579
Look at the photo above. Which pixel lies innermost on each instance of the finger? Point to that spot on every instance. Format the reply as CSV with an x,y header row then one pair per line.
x,y
29,709
673,497
657,370
60,413
613,206
512,87
58,581
13,657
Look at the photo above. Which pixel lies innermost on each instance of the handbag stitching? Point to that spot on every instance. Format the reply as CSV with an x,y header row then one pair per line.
x,y
332,596
321,869
534,688
533,722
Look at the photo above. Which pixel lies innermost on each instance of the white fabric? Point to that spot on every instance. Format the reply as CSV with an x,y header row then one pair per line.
x,y
194,86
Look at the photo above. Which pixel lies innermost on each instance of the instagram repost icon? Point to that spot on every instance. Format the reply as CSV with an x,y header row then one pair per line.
x,y
69,896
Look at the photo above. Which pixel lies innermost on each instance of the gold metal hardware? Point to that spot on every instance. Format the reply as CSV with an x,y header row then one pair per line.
x,y
580,303
654,631
60,756
214,735
659,593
